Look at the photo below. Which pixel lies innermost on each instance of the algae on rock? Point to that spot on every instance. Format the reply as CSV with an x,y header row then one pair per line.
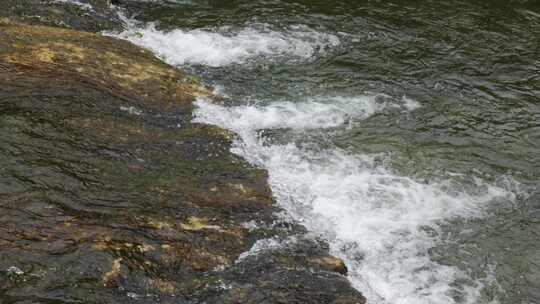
x,y
109,193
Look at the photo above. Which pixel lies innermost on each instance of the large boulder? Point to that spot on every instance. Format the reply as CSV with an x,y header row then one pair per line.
x,y
109,194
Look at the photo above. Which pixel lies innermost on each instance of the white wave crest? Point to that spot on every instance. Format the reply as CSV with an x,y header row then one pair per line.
x,y
225,45
312,114
80,4
383,225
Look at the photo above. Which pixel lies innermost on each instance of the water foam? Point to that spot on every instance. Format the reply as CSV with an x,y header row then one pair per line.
x,y
314,113
226,45
80,4
380,223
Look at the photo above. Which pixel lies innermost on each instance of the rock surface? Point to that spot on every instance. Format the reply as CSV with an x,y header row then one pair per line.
x,y
87,15
109,194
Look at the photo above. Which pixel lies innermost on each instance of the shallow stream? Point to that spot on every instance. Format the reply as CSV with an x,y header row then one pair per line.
x,y
406,133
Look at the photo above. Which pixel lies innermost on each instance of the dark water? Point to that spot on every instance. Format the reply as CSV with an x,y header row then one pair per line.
x,y
405,132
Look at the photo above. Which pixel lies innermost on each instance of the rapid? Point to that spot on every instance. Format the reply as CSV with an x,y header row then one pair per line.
x,y
405,134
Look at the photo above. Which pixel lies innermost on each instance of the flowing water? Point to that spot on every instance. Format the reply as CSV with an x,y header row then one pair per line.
x,y
406,133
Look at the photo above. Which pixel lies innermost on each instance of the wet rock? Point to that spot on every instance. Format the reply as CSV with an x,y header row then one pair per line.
x,y
282,269
331,263
109,194
87,15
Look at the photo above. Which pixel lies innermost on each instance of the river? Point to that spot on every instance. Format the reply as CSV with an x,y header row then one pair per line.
x,y
405,133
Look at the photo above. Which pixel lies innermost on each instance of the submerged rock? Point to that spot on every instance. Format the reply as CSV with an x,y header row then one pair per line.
x,y
109,194
87,15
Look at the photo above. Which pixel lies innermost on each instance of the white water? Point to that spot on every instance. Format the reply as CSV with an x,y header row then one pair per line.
x,y
224,46
312,114
380,223
376,220
80,4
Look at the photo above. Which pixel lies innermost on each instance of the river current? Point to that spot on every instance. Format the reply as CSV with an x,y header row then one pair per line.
x,y
405,133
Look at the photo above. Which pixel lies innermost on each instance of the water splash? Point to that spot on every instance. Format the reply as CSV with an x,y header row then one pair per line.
x,y
382,224
85,6
227,45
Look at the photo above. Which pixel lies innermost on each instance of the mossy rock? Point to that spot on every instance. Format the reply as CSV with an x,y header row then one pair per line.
x,y
109,194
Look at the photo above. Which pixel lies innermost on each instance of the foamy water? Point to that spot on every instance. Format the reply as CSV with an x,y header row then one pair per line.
x,y
312,114
380,223
80,4
225,45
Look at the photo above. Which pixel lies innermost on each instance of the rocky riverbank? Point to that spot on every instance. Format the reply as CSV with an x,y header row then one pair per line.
x,y
108,192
